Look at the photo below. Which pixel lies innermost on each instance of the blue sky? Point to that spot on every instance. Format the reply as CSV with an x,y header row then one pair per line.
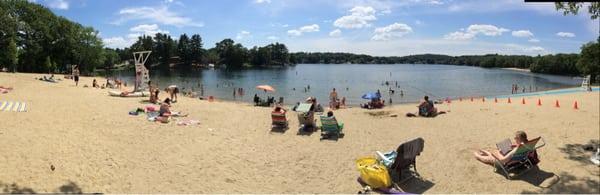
x,y
374,27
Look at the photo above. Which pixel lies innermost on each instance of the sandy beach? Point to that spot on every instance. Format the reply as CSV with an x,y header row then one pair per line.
x,y
95,146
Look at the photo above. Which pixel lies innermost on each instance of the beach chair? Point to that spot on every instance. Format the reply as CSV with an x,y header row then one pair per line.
x,y
406,158
306,117
279,121
522,161
330,127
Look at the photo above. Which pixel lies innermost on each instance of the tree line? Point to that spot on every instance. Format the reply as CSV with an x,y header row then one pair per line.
x,y
586,63
187,52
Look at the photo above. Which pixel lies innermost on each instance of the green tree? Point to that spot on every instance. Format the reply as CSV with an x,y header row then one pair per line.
x,y
12,55
589,61
573,8
196,51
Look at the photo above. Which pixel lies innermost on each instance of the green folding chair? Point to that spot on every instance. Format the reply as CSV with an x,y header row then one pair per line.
x,y
330,128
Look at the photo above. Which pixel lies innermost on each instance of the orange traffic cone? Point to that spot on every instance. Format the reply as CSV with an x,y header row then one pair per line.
x,y
495,100
575,106
539,102
556,104
523,101
509,100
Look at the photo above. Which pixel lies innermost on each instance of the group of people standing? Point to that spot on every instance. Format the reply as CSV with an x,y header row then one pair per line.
x,y
515,89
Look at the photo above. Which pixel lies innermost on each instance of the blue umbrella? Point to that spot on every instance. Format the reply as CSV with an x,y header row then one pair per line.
x,y
371,96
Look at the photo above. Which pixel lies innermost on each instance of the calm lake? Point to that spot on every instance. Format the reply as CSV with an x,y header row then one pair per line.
x,y
353,80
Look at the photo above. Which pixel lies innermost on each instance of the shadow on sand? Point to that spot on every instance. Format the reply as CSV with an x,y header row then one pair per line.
x,y
416,185
570,184
69,188
581,152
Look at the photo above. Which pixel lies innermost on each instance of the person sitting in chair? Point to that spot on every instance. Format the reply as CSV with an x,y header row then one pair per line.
x,y
488,157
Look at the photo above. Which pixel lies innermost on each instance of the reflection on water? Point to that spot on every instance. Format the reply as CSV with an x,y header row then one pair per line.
x,y
353,80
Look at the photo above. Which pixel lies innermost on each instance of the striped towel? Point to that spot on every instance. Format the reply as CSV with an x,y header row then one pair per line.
x,y
13,106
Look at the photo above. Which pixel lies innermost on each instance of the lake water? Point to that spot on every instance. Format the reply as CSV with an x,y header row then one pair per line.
x,y
353,80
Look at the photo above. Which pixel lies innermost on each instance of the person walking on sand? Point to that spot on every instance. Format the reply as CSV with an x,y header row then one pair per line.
x,y
173,90
76,75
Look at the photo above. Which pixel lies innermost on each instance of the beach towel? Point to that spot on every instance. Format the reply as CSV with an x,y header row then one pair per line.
x,y
413,148
152,116
188,122
13,106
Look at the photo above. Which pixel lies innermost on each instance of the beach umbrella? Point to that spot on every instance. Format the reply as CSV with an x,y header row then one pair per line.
x,y
371,96
266,88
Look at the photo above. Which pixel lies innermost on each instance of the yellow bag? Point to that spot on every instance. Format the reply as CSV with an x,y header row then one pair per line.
x,y
373,173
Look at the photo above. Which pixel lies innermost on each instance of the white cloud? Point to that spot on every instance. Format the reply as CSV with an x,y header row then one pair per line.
x,y
335,33
473,30
59,4
310,28
565,34
294,32
242,35
459,36
534,40
272,37
359,17
160,15
435,2
147,29
535,49
486,29
262,1
117,42
522,33
135,32
391,31
304,29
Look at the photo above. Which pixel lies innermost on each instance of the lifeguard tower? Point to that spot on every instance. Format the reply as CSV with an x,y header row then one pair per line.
x,y
142,75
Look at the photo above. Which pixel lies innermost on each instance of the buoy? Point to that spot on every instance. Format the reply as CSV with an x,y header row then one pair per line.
x,y
575,106
523,101
556,104
495,100
509,100
539,102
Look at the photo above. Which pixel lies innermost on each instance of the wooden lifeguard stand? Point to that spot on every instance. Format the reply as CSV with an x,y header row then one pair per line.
x,y
142,75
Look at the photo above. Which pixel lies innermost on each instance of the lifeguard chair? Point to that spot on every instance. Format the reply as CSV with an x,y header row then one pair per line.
x,y
586,82
142,75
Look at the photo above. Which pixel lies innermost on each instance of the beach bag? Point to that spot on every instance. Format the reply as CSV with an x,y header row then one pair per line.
x,y
373,173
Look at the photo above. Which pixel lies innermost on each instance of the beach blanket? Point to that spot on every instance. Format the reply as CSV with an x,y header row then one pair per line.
x,y
188,122
13,106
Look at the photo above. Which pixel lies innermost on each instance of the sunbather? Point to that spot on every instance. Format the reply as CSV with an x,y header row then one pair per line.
x,y
95,84
165,110
488,157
